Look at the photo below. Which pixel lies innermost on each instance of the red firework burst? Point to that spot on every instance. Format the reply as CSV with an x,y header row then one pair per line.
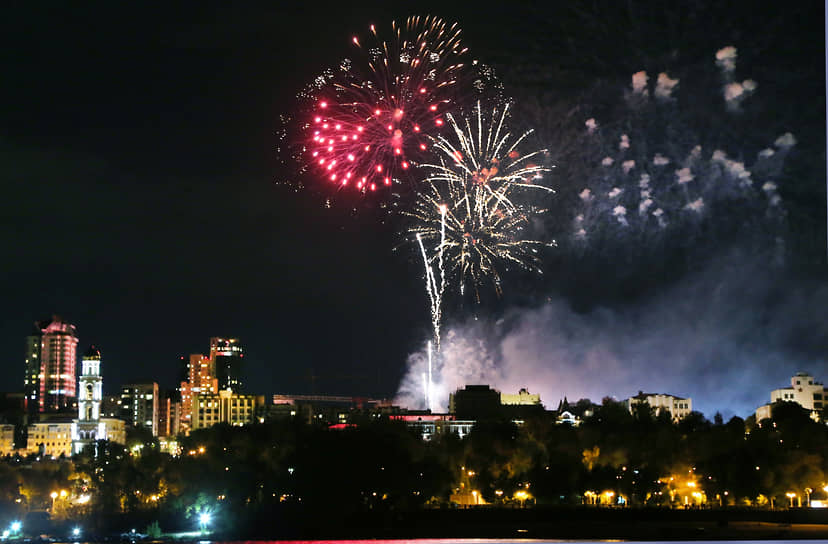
x,y
370,123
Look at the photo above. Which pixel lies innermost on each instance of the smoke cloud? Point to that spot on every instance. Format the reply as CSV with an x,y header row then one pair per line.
x,y
724,337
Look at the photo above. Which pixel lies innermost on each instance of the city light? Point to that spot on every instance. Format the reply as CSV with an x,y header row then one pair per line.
x,y
203,521
790,497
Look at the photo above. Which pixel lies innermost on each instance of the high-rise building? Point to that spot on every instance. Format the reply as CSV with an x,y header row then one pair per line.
x,y
139,405
58,358
201,379
31,372
111,406
226,355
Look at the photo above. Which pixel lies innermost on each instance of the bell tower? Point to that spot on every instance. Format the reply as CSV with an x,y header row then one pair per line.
x,y
88,428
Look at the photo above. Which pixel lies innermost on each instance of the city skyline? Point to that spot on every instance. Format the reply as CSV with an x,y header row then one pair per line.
x,y
205,376
140,149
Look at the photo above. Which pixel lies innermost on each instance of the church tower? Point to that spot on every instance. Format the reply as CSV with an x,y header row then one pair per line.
x,y
88,428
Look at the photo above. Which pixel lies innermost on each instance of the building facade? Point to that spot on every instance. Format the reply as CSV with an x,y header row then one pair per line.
x,y
140,405
226,355
805,391
31,371
50,438
88,427
201,379
58,358
523,398
226,407
6,440
475,402
427,426
678,407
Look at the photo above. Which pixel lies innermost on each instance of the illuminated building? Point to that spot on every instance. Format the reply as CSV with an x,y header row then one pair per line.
x,y
111,406
567,418
804,390
482,402
175,418
91,425
201,379
115,429
139,405
225,407
226,355
678,407
430,425
325,408
88,428
31,372
6,439
50,438
57,366
164,416
523,398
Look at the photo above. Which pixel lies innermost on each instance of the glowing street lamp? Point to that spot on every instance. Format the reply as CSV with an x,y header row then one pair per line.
x,y
16,526
54,495
203,521
791,497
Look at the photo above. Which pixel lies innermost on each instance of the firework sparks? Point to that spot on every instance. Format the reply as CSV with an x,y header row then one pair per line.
x,y
469,203
434,288
370,121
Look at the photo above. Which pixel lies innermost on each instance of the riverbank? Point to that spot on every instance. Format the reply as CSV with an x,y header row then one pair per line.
x,y
552,523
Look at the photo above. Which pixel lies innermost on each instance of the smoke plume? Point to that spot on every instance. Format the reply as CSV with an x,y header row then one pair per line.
x,y
724,337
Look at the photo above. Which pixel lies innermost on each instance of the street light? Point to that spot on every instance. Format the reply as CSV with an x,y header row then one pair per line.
x,y
54,495
791,497
16,526
203,521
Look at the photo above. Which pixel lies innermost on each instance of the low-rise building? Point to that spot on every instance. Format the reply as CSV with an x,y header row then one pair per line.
x,y
567,418
805,391
430,425
115,429
225,407
523,398
50,438
6,439
678,407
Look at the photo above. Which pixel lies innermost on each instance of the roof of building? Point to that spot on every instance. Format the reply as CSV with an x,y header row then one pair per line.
x,y
642,396
92,353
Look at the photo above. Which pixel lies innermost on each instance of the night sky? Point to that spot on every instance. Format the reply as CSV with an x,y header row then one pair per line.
x,y
139,170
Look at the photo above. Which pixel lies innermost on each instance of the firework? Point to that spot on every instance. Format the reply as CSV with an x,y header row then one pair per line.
x,y
368,122
469,205
435,288
645,183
